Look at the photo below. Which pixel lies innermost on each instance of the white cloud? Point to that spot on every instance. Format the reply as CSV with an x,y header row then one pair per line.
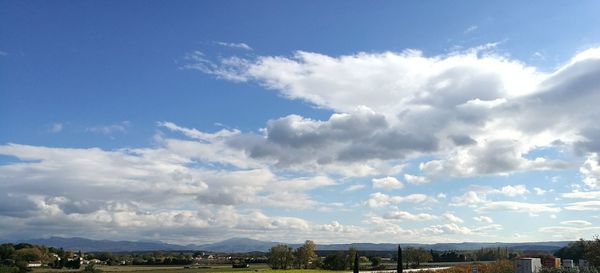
x,y
120,127
414,179
476,112
235,45
584,206
469,198
388,183
583,194
354,187
477,199
590,170
471,29
404,215
538,56
195,134
513,191
488,228
452,218
136,191
56,127
378,199
576,223
532,208
539,191
569,232
448,229
483,219
463,114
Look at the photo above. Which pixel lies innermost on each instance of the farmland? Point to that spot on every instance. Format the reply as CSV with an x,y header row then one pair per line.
x,y
181,269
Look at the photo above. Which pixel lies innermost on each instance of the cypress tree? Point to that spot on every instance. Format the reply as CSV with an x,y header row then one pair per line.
x,y
399,264
356,262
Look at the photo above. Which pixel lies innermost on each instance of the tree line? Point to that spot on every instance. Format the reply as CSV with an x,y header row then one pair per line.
x,y
582,249
18,256
282,256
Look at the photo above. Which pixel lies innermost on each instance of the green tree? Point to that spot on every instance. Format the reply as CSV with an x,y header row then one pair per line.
x,y
416,256
28,254
280,256
105,256
335,261
574,250
305,255
592,252
375,262
350,257
6,251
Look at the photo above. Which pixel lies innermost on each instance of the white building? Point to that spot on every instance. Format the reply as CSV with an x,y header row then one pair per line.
x,y
527,265
567,263
34,264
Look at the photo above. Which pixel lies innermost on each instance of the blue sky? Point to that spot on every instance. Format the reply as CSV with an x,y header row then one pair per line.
x,y
342,121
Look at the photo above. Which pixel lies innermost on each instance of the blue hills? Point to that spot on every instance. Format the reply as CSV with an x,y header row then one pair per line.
x,y
241,245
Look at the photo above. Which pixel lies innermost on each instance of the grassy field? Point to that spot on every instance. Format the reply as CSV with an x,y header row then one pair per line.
x,y
180,269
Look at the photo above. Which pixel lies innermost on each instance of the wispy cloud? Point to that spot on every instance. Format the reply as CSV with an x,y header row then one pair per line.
x,y
538,56
470,29
354,187
120,127
243,46
56,127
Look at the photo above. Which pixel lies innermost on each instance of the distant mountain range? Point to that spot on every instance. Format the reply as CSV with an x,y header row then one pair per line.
x,y
240,245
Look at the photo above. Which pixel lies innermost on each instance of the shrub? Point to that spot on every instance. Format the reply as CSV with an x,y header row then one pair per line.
x,y
90,268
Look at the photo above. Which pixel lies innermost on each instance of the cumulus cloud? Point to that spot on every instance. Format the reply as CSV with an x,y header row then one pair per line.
x,y
451,228
378,199
404,215
361,138
388,183
590,170
336,227
485,113
462,114
513,191
155,190
452,218
415,179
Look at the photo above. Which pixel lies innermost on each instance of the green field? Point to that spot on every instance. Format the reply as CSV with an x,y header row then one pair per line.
x,y
181,269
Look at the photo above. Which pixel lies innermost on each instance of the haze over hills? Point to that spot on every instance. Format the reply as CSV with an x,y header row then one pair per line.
x,y
239,245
